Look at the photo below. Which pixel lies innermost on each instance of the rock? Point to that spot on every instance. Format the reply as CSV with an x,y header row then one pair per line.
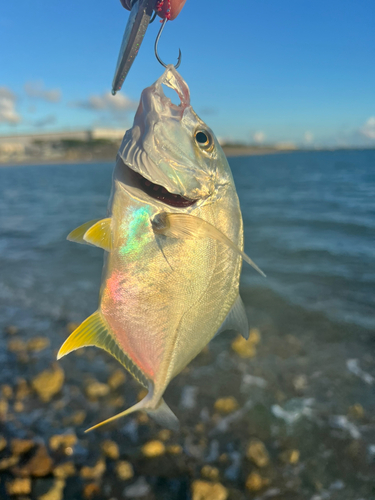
x,y
95,472
209,472
95,390
16,346
48,383
300,383
64,470
62,441
22,390
5,463
3,443
203,490
257,453
290,457
356,411
38,344
19,407
153,449
3,408
39,465
117,378
21,446
124,470
110,449
76,419
226,405
138,489
247,348
20,486
56,492
256,482
7,391
90,490
11,330
174,449
164,434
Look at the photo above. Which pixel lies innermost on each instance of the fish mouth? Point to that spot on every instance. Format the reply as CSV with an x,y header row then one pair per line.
x,y
158,192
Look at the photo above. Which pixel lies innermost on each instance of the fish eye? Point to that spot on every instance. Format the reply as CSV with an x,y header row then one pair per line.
x,y
203,138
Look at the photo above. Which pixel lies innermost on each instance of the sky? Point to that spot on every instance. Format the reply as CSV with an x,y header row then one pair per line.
x,y
292,71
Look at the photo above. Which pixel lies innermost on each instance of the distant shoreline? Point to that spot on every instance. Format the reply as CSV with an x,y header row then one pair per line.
x,y
230,152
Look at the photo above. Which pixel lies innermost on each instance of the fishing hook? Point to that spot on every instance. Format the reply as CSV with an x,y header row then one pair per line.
x,y
156,47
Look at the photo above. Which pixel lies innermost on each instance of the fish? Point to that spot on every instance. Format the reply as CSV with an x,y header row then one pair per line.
x,y
173,241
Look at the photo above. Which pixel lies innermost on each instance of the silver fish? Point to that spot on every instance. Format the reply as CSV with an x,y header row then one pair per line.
x,y
174,238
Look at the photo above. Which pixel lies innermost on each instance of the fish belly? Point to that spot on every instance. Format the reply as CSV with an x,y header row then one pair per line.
x,y
165,298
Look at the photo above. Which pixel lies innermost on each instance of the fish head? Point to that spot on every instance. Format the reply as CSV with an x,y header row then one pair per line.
x,y
171,149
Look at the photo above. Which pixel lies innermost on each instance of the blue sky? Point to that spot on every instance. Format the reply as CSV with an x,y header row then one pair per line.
x,y
300,71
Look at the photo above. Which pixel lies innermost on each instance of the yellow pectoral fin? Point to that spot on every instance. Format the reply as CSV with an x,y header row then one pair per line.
x,y
77,234
100,234
188,226
95,332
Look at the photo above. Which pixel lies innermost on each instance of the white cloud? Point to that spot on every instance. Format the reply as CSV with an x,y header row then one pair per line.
x,y
368,129
37,90
259,137
8,112
308,136
107,102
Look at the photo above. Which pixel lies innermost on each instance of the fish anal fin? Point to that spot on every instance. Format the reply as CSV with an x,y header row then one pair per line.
x,y
187,226
94,331
100,234
78,233
236,320
162,414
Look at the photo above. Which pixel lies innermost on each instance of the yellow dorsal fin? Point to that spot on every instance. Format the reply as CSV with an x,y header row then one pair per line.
x,y
189,226
95,332
77,234
100,234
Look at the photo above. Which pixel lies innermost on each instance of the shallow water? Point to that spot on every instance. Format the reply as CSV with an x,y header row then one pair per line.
x,y
309,223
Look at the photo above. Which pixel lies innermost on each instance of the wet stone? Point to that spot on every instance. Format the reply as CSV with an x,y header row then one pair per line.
x,y
247,348
117,379
95,472
356,412
153,449
39,465
22,390
19,407
21,446
38,344
226,405
290,457
203,490
5,463
62,441
124,470
256,482
48,383
90,490
164,434
64,470
257,453
174,449
138,489
11,330
56,492
76,419
16,346
3,443
209,472
3,408
95,390
7,391
20,486
110,449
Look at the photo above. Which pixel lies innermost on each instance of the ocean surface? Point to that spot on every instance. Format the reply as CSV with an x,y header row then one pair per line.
x,y
305,389
309,221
